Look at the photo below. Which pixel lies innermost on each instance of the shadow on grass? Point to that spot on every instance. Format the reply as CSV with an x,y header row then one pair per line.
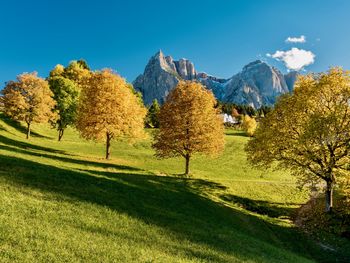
x,y
171,203
270,209
204,186
237,133
71,160
28,146
19,127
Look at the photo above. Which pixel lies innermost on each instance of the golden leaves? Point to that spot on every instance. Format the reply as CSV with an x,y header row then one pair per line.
x,y
249,125
29,99
189,123
309,130
107,104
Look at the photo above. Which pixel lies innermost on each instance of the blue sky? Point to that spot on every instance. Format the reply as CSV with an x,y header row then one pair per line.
x,y
220,37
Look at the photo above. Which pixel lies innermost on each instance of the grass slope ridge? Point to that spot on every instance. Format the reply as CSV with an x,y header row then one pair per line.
x,y
59,201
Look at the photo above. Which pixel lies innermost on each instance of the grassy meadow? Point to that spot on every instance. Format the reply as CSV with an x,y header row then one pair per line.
x,y
62,202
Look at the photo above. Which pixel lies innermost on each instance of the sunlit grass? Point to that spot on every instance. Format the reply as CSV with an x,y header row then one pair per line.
x,y
62,202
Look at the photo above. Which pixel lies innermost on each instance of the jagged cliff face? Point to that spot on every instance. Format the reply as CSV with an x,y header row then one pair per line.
x,y
257,84
161,75
290,78
216,85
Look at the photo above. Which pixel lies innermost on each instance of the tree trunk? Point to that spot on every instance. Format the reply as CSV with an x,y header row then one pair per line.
x,y
60,134
108,145
329,197
28,130
187,170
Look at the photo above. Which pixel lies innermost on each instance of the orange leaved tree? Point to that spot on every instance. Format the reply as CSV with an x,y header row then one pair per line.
x,y
109,109
308,133
189,124
29,99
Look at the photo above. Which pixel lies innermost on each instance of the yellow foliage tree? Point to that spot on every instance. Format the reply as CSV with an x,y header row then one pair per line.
x,y
109,109
189,124
57,71
76,72
249,125
29,99
308,132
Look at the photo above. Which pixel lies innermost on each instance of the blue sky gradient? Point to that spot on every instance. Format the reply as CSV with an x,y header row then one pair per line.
x,y
220,37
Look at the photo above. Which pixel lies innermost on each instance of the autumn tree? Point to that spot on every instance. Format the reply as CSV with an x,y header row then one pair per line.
x,y
308,132
76,71
263,110
249,125
28,99
152,117
1,103
83,64
57,71
66,83
66,95
109,109
234,113
189,124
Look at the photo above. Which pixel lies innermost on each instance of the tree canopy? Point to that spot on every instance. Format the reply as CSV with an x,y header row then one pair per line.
x,y
28,99
308,132
66,83
66,95
109,109
189,124
242,109
76,71
152,117
249,125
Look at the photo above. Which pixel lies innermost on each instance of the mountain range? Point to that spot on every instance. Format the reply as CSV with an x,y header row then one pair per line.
x,y
257,84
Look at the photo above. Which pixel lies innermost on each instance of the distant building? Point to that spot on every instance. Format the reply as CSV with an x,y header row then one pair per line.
x,y
228,119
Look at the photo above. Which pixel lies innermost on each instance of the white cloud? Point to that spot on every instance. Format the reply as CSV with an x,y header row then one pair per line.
x,y
301,39
295,58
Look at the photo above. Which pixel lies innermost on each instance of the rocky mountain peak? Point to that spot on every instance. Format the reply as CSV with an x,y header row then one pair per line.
x,y
255,63
257,84
161,74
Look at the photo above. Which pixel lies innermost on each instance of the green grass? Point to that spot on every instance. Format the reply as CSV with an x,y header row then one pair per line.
x,y
62,202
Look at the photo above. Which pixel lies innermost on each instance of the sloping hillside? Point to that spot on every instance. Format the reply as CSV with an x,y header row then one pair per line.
x,y
61,202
